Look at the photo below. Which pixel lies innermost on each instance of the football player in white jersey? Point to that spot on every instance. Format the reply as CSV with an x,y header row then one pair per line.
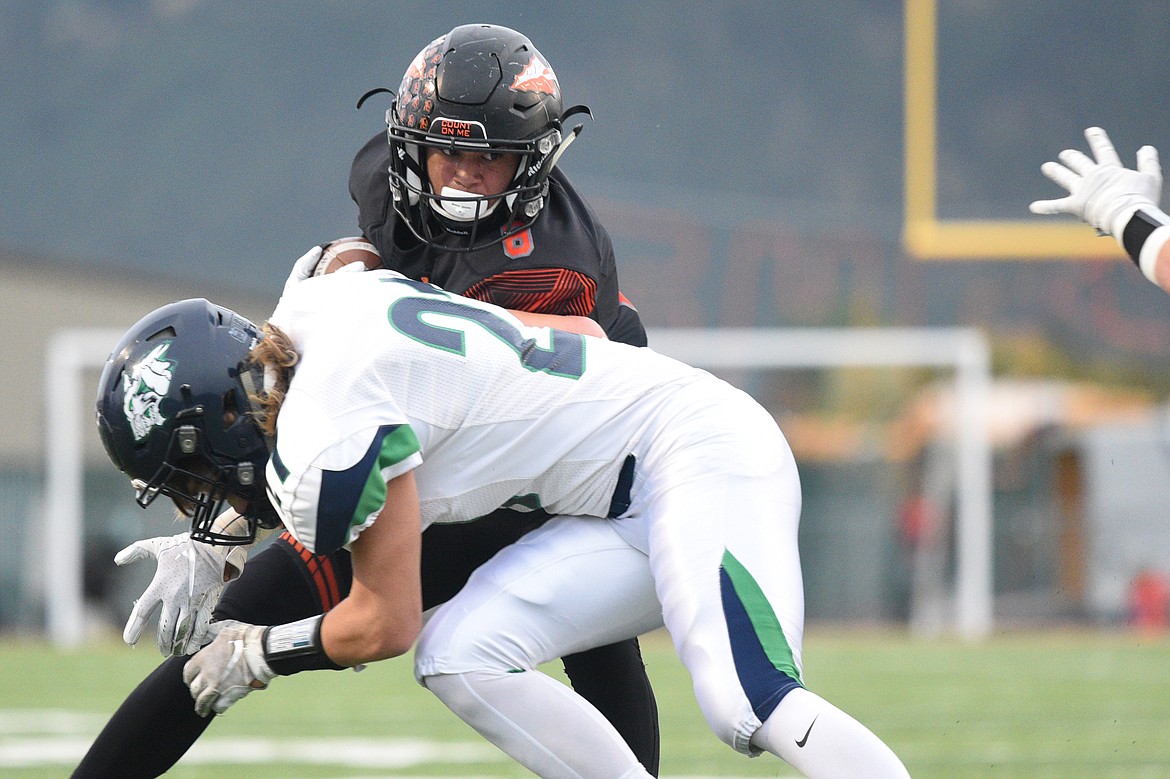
x,y
677,499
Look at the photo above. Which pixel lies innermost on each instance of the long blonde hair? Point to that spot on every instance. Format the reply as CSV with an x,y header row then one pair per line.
x,y
275,353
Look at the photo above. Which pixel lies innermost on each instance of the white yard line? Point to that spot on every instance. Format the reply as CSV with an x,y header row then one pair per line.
x,y
51,737
26,751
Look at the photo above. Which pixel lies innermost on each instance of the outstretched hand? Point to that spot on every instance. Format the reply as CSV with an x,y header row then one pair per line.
x,y
187,583
1101,190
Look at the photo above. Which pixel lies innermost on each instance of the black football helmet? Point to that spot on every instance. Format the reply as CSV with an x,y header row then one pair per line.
x,y
479,88
173,414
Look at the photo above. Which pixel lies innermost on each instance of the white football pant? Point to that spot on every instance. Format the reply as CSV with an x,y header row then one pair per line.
x,y
708,548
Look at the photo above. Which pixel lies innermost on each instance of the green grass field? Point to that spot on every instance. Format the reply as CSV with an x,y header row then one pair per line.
x,y
1054,704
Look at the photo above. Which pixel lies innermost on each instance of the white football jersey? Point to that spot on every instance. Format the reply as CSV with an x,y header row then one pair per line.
x,y
396,375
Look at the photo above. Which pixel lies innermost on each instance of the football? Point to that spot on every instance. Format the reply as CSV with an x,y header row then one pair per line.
x,y
345,251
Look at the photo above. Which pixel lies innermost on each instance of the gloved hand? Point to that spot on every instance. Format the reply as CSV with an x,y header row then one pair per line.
x,y
186,586
303,268
228,668
1102,192
306,267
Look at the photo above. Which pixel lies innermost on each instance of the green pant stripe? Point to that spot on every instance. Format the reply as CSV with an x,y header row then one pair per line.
x,y
765,623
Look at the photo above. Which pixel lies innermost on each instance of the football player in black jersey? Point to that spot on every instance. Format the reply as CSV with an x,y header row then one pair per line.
x,y
463,192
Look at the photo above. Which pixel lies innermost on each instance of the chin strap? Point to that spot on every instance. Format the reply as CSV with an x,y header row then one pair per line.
x,y
570,135
551,162
254,380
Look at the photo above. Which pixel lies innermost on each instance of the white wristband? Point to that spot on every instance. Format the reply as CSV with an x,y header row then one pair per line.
x,y
293,638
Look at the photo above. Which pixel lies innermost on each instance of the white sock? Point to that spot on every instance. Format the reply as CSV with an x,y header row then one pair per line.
x,y
540,723
823,742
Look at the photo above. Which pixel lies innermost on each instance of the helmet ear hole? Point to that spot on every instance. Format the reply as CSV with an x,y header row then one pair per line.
x,y
231,409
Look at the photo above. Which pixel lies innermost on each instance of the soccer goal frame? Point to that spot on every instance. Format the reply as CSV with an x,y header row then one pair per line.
x,y
965,351
72,353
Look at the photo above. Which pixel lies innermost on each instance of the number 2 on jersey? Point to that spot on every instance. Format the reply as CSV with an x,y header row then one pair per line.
x,y
565,355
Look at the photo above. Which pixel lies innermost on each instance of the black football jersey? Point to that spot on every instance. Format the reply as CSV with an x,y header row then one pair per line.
x,y
562,264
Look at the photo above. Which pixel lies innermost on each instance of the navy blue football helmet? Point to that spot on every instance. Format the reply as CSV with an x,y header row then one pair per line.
x,y
173,415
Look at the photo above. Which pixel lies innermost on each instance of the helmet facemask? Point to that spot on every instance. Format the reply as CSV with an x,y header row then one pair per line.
x,y
202,484
477,220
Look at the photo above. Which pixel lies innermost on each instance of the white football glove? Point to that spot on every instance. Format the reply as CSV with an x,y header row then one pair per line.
x,y
303,268
1102,192
306,266
228,668
186,586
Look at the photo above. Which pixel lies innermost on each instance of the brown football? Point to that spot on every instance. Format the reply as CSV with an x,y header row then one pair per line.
x,y
345,251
